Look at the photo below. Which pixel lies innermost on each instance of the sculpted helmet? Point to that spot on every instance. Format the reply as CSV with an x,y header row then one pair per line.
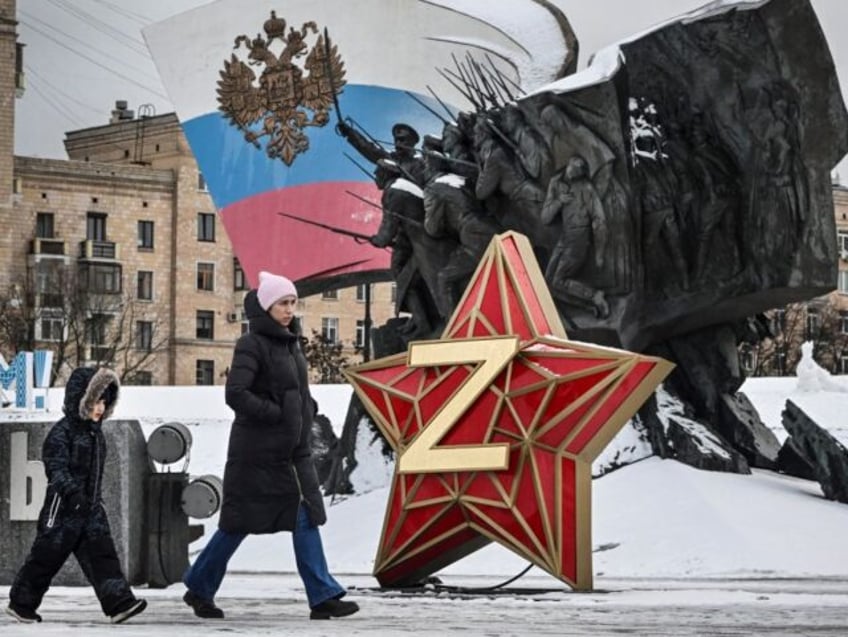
x,y
405,129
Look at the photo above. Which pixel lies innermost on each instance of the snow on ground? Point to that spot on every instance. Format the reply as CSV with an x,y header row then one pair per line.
x,y
273,605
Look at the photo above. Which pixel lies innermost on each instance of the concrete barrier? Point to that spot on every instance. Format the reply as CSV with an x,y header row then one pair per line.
x,y
23,483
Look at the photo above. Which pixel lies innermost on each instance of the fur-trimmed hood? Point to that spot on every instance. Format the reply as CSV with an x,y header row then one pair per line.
x,y
85,387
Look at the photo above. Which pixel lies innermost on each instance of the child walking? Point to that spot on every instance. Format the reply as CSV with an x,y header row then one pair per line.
x,y
72,519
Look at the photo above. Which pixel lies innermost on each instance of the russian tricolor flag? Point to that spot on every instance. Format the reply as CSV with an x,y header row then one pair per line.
x,y
389,48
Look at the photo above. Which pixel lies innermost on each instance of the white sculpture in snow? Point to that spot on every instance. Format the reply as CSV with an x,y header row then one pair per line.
x,y
813,377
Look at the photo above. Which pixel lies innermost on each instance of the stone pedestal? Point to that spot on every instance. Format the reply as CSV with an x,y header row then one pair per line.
x,y
22,486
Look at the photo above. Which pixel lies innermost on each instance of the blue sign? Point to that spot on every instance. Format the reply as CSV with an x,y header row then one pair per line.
x,y
29,374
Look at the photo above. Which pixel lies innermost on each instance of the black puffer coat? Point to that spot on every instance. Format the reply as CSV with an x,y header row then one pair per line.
x,y
269,470
74,451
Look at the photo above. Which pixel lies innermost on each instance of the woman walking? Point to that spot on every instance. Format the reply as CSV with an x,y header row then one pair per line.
x,y
270,482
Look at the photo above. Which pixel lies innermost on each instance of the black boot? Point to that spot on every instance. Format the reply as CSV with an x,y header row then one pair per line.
x,y
203,608
21,614
333,608
129,609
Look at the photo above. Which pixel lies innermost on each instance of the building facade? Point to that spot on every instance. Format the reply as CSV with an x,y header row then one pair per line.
x,y
840,209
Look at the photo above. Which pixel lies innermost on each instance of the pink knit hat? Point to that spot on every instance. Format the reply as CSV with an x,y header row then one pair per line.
x,y
273,287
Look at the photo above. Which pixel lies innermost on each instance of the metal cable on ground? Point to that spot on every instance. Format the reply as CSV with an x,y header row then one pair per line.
x,y
438,587
482,589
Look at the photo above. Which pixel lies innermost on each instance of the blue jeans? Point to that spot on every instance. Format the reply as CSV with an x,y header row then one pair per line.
x,y
204,577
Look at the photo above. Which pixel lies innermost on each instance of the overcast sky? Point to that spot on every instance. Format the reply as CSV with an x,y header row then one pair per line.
x,y
82,55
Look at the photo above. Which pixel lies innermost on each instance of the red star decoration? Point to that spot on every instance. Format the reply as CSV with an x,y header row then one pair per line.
x,y
495,427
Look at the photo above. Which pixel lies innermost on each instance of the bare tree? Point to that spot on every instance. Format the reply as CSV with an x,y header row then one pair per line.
x,y
325,358
819,321
54,308
18,314
137,337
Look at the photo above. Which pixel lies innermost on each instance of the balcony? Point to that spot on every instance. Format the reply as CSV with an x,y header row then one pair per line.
x,y
51,301
91,249
51,247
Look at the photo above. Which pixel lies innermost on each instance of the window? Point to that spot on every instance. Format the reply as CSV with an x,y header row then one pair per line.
x,y
205,324
330,328
205,226
51,329
100,278
206,276
144,287
201,183
361,292
843,322
394,292
44,225
140,378
239,279
50,282
144,335
843,363
96,329
812,323
204,372
360,334
842,282
145,235
96,333
842,245
330,294
95,226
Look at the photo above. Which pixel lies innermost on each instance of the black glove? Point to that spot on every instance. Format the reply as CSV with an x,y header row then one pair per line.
x,y
77,502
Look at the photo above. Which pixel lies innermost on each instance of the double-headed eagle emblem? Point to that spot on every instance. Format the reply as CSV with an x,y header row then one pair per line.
x,y
289,96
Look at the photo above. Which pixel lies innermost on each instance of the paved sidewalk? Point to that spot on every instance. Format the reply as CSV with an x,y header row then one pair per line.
x,y
272,604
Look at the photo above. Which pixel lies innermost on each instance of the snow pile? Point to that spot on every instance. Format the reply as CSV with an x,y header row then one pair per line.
x,y
812,377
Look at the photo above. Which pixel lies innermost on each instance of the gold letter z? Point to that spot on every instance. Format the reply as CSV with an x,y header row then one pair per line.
x,y
422,455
